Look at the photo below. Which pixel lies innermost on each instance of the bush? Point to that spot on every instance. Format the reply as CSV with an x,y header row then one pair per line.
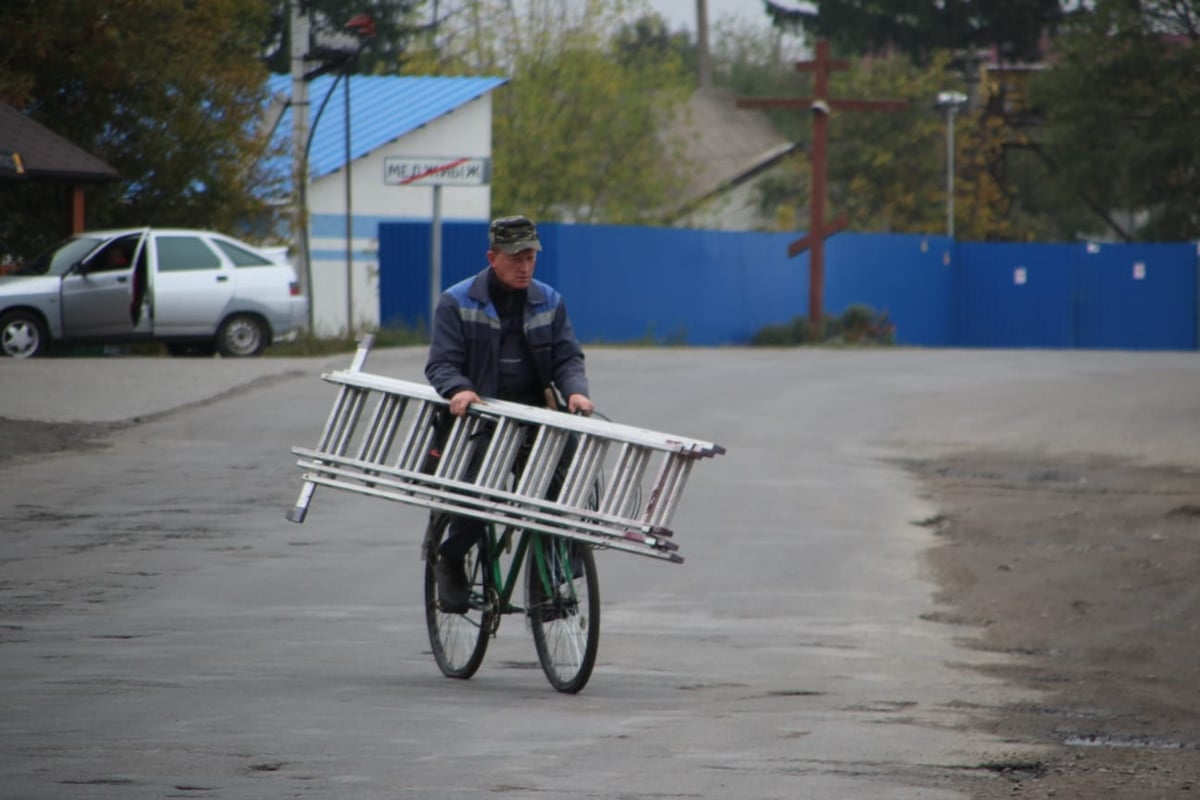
x,y
857,325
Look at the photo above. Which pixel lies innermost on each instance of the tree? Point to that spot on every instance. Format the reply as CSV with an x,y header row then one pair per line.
x,y
396,25
576,132
1120,124
919,28
648,37
885,171
168,93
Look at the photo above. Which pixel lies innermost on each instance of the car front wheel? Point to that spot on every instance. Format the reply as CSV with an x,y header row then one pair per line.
x,y
242,335
22,335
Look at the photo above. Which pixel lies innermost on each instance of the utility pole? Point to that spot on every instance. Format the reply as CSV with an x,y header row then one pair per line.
x,y
703,59
299,34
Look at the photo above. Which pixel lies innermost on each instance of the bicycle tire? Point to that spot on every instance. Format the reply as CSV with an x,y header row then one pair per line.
x,y
564,610
459,641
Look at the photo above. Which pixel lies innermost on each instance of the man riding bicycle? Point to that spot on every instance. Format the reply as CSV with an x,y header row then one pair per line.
x,y
504,335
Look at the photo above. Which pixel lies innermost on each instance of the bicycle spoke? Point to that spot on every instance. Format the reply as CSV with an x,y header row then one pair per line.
x,y
564,611
459,641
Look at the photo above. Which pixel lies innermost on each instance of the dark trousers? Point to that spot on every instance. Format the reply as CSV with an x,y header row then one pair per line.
x,y
465,532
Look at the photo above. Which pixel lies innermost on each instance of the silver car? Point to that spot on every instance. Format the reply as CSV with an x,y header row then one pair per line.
x,y
199,292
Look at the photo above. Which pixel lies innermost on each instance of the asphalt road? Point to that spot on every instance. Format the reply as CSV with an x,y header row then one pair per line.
x,y
164,632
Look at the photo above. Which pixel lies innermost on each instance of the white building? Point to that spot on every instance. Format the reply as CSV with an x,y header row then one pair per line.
x,y
395,122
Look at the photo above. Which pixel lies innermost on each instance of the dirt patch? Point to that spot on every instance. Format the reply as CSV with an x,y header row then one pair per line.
x,y
20,437
1088,571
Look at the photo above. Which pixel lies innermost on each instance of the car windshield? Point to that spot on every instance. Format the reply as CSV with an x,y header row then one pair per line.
x,y
61,257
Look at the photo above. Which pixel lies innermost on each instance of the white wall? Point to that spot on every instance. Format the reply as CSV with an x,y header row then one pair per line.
x,y
735,209
465,132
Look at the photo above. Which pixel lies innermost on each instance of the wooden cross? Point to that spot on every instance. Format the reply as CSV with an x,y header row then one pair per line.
x,y
820,104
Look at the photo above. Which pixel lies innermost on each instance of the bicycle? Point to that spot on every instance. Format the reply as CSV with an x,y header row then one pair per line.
x,y
561,600
392,439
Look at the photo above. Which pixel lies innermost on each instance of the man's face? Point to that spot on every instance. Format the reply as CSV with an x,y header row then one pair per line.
x,y
515,271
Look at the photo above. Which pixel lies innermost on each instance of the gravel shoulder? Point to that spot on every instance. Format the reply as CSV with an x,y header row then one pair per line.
x,y
1084,570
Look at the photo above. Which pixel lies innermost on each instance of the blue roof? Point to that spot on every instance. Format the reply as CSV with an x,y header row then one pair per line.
x,y
382,109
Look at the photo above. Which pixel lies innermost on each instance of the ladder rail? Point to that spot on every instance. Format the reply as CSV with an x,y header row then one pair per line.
x,y
496,506
532,414
354,473
465,464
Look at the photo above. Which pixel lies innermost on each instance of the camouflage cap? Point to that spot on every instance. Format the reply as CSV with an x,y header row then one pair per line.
x,y
511,235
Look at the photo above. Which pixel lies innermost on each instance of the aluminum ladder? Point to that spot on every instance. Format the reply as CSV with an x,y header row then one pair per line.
x,y
620,488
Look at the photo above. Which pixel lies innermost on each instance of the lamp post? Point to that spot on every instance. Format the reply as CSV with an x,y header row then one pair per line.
x,y
950,102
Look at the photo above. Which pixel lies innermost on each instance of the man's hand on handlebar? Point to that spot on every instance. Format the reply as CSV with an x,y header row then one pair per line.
x,y
580,404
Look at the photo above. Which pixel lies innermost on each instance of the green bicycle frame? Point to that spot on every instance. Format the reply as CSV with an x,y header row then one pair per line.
x,y
505,580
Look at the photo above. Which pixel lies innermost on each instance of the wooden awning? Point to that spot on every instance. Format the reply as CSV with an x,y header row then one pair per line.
x,y
31,151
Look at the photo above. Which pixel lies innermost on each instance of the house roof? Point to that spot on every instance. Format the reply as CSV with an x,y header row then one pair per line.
x,y
383,108
43,154
725,144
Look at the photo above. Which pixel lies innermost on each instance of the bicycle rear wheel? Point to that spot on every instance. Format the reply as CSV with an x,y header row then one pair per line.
x,y
459,641
564,609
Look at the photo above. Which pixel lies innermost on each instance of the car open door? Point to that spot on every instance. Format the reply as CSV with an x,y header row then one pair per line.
x,y
96,295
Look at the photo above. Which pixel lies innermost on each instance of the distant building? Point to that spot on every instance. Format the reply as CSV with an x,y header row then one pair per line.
x,y
729,151
396,124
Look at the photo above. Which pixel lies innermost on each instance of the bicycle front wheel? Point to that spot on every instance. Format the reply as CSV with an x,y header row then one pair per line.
x,y
459,641
564,610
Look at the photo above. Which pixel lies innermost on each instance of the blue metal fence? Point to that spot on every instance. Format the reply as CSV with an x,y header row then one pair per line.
x,y
626,284
1136,296
1015,295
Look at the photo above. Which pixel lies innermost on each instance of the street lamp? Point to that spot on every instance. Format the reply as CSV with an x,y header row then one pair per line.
x,y
950,102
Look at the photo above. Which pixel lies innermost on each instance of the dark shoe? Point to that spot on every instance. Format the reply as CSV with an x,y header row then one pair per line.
x,y
454,593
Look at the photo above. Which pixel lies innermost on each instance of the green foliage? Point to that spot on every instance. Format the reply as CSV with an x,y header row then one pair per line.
x,y
920,28
858,325
396,24
1120,122
1109,146
647,38
887,169
576,132
167,93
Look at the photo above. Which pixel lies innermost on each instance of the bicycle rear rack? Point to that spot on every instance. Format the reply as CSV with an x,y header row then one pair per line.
x,y
632,513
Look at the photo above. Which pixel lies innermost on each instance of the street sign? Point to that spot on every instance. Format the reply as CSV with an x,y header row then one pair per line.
x,y
436,171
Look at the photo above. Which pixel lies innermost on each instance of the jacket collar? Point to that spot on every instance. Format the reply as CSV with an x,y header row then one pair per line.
x,y
479,290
